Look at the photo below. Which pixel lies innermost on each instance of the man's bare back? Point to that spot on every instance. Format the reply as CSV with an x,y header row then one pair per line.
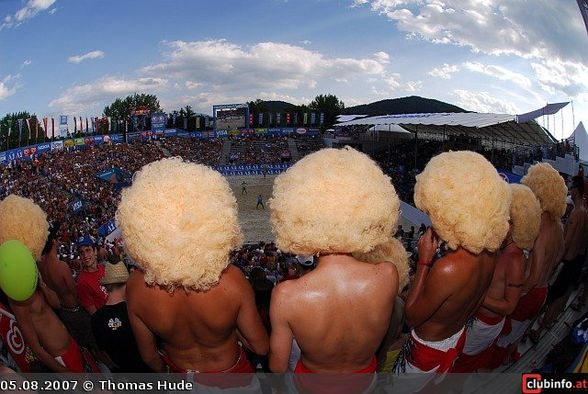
x,y
338,314
505,289
57,275
198,329
453,291
546,254
575,231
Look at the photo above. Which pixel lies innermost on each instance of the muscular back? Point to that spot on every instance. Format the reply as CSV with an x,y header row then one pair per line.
x,y
453,291
58,277
337,313
547,252
197,329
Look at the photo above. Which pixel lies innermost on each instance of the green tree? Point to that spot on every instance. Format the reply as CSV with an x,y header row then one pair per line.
x,y
121,109
330,105
10,122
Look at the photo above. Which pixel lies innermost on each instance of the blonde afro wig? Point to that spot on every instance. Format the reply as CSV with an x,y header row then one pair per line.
x,y
23,220
179,223
333,201
466,199
549,188
525,215
392,251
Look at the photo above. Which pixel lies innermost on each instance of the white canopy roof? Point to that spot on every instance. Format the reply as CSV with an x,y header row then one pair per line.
x,y
467,119
581,141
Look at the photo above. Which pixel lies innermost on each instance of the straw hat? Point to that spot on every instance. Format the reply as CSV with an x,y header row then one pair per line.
x,y
115,273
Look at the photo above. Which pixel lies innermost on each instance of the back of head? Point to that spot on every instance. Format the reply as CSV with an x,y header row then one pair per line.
x,y
525,215
549,188
333,201
170,232
23,220
392,251
466,199
578,183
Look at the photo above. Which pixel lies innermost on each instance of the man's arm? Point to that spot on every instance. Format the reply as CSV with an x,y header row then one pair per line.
x,y
67,279
281,338
50,295
146,343
570,229
23,319
430,286
515,278
249,325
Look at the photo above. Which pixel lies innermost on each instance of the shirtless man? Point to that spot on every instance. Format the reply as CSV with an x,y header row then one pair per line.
x,y
573,258
185,294
339,312
473,220
21,219
58,277
550,189
509,275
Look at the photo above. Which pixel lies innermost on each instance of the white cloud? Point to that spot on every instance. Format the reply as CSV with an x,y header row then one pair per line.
x,y
413,86
483,102
94,96
498,72
556,75
26,63
6,90
52,11
444,72
548,33
86,56
267,65
383,57
192,85
306,42
31,8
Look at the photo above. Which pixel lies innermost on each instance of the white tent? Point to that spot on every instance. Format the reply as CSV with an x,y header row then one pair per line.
x,y
580,137
391,127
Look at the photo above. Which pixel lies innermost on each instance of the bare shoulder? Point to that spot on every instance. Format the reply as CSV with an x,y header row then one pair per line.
x,y
284,292
136,282
387,269
233,278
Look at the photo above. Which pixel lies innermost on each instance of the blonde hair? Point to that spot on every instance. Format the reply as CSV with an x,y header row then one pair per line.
x,y
525,214
391,251
466,199
179,224
549,188
333,201
23,220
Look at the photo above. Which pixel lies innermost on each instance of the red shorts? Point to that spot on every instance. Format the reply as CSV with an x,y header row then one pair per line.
x,y
530,304
77,360
242,366
307,381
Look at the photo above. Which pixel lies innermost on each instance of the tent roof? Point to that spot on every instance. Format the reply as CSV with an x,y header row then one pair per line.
x,y
500,127
581,141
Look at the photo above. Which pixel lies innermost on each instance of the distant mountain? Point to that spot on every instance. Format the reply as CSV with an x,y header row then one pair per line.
x,y
277,106
404,105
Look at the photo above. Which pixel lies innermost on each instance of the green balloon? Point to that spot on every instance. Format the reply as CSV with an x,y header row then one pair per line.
x,y
18,271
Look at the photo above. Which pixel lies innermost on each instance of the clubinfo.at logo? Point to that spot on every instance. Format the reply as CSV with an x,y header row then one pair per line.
x,y
533,383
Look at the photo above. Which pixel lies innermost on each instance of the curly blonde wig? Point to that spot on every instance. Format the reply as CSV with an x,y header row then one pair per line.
x,y
549,188
466,199
179,224
392,251
333,201
23,220
525,215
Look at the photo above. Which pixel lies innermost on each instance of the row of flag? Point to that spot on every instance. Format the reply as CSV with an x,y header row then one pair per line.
x,y
37,127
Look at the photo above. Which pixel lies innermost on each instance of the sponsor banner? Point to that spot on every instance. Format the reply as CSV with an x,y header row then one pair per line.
x,y
99,139
29,151
3,158
89,140
221,133
288,130
57,145
107,228
42,148
14,154
251,172
170,132
12,338
117,138
76,206
184,134
68,143
158,122
79,141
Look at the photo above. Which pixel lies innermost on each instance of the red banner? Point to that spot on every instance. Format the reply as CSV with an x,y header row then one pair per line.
x,y
12,338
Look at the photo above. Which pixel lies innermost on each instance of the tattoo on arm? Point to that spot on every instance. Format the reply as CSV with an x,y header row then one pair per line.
x,y
517,285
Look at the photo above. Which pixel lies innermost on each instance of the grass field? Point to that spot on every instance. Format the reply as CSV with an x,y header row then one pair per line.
x,y
255,223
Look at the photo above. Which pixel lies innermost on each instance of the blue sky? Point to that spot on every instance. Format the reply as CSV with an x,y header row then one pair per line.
x,y
75,57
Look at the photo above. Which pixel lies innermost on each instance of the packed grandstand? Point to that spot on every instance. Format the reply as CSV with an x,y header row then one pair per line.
x,y
79,185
